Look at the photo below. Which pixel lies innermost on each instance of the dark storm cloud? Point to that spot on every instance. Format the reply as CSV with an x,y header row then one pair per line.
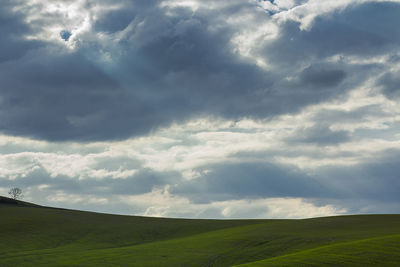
x,y
172,69
250,180
62,97
12,28
189,70
170,65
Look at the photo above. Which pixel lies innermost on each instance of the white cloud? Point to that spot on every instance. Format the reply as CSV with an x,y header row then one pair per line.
x,y
75,166
160,203
62,197
194,5
49,17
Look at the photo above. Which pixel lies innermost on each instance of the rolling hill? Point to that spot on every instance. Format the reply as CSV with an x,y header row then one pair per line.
x,y
33,235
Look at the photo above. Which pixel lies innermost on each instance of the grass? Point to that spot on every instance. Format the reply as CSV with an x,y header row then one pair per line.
x,y
378,251
38,236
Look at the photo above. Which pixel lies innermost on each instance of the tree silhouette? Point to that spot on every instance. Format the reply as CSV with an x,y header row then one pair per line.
x,y
15,193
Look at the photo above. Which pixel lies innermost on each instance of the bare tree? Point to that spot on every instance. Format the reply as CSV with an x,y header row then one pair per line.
x,y
15,193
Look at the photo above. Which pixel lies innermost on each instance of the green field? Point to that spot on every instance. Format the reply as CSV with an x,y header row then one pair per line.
x,y
39,236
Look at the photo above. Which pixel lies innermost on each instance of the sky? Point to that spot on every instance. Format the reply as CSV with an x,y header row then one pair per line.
x,y
202,108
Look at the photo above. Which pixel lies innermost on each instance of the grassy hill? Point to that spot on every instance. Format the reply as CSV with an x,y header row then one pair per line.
x,y
32,235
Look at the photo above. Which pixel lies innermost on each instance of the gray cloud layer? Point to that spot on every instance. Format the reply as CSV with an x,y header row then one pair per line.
x,y
307,99
370,187
173,64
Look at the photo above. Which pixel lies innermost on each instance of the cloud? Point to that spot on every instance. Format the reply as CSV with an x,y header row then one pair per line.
x,y
160,63
321,135
201,108
13,28
361,29
162,203
376,179
319,77
208,169
390,84
249,180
